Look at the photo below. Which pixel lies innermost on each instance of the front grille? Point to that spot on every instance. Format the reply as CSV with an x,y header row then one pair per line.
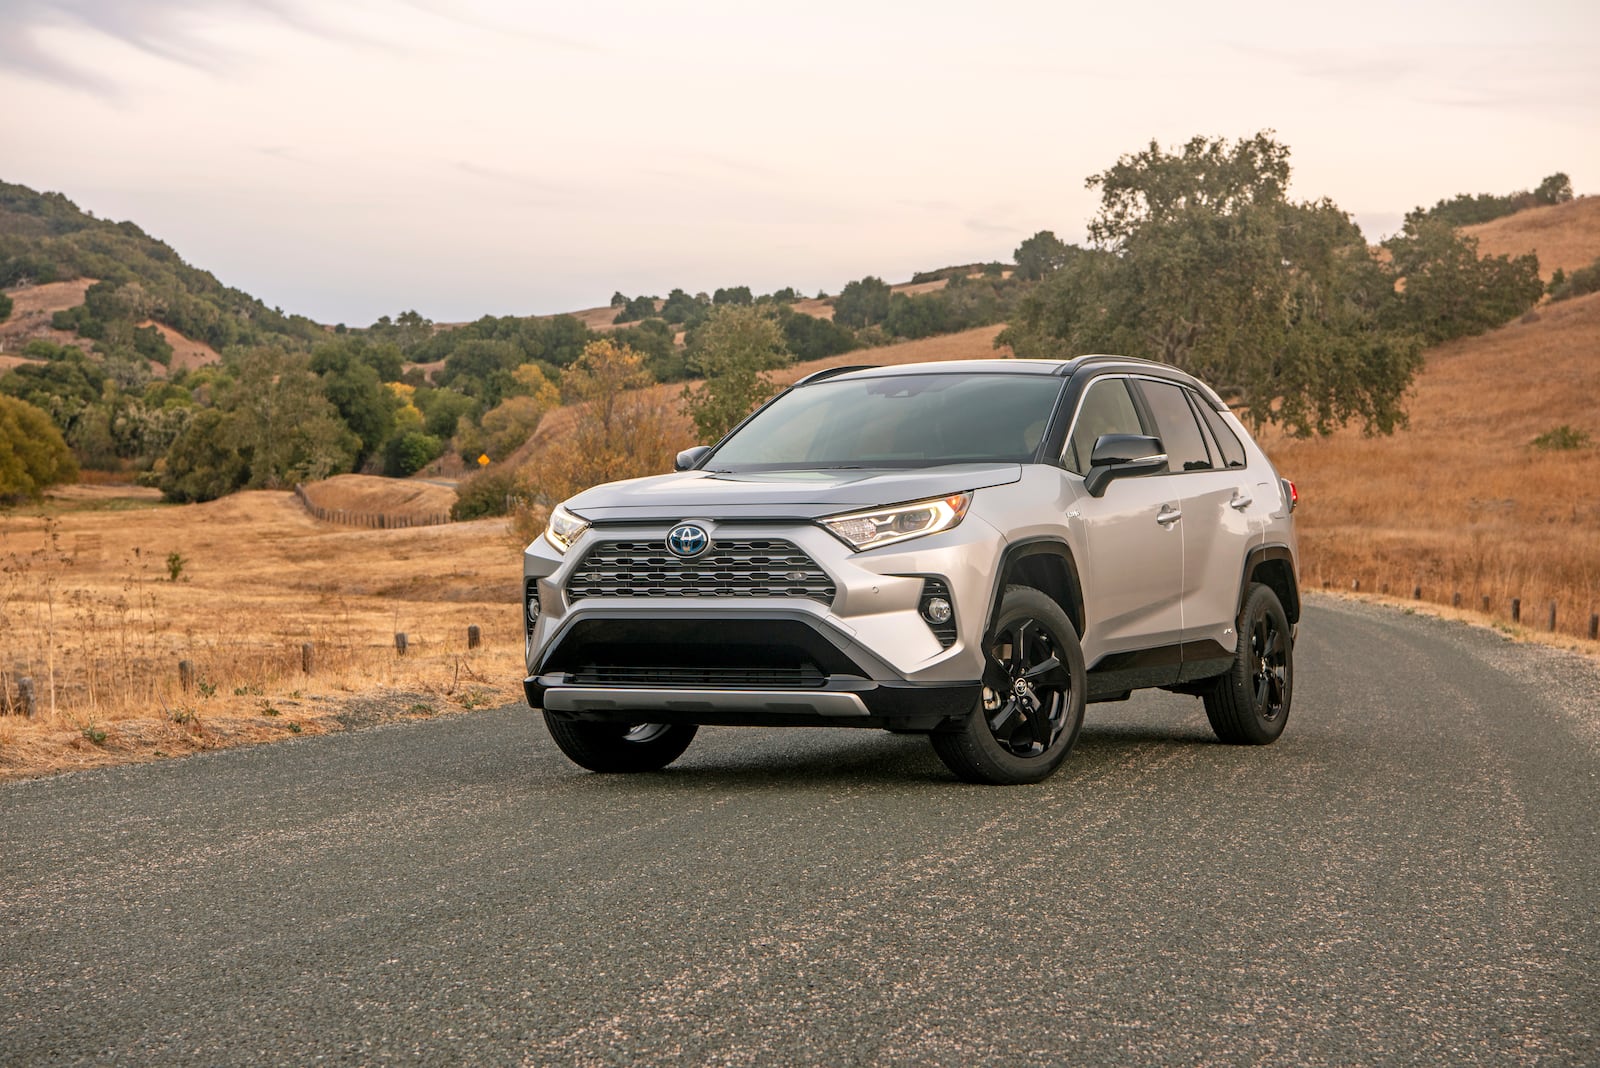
x,y
733,567
772,678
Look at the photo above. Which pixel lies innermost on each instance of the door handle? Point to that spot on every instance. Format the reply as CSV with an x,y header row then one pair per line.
x,y
1168,515
1241,500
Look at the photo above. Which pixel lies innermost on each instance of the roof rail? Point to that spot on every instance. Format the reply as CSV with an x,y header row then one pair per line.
x,y
829,372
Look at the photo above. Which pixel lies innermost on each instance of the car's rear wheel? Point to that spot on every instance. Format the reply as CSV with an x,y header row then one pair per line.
x,y
1250,704
1033,697
620,747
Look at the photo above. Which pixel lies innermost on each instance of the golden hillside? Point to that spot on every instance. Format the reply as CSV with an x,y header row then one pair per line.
x,y
1562,235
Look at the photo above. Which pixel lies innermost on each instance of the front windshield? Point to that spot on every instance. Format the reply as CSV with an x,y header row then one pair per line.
x,y
912,420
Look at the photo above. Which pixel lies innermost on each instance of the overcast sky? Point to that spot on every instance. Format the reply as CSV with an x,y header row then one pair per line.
x,y
348,159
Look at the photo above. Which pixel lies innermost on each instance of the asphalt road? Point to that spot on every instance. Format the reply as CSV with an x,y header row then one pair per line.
x,y
1411,875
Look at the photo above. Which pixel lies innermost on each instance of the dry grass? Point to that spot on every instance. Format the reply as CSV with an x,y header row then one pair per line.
x,y
1461,501
410,498
32,307
187,354
90,612
1564,235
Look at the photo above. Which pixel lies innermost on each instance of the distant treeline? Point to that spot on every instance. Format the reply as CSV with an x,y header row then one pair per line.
x,y
293,401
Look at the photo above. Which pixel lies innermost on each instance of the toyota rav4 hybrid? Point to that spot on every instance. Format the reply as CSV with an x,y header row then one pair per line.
x,y
969,550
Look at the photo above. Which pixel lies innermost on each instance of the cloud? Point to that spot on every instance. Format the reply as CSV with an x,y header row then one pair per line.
x,y
164,29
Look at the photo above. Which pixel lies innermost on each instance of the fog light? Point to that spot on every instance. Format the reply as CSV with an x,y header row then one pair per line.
x,y
936,610
531,596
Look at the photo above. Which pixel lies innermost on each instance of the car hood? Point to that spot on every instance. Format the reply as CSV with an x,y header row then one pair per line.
x,y
778,494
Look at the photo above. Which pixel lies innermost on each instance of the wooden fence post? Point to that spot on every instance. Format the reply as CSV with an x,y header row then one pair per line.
x,y
186,675
307,657
1355,585
1552,616
1416,593
400,643
1486,604
1455,599
474,637
25,696
1516,609
1594,626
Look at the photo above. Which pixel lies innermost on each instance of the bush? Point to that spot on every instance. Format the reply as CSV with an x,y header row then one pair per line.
x,y
1581,281
1561,439
862,303
5,307
409,453
488,493
33,455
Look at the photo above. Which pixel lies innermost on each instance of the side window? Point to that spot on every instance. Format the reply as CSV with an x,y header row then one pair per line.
x,y
1106,409
1227,440
1176,426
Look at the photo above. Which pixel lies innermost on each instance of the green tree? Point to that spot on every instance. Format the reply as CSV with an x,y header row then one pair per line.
x,y
282,425
204,462
1556,189
5,307
1201,261
1448,290
862,303
1039,255
732,295
353,385
33,455
733,350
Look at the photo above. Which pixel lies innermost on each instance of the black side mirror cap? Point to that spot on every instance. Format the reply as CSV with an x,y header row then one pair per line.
x,y
1121,455
690,458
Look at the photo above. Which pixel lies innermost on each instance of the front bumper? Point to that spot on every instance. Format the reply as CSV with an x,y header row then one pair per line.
x,y
864,657
840,702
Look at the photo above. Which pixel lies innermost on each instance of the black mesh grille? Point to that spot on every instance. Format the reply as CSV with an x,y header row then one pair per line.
x,y
724,677
733,567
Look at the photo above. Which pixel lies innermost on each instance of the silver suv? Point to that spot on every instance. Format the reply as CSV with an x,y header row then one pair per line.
x,y
969,550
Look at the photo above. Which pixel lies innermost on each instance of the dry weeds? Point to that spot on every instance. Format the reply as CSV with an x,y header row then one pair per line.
x,y
90,612
1461,501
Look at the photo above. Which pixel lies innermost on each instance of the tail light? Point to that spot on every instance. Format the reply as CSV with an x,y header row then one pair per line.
x,y
1290,494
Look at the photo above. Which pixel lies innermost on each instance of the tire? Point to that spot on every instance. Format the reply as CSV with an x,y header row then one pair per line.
x,y
620,747
1249,705
1032,708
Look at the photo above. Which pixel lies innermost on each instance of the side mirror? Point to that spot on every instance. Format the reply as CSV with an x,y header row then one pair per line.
x,y
688,459
1120,456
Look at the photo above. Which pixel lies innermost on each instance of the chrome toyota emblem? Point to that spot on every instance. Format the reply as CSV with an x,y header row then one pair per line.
x,y
687,540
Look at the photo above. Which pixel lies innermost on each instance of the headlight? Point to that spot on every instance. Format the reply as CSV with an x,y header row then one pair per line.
x,y
564,528
868,530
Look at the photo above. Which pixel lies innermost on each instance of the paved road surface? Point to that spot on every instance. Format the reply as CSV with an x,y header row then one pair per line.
x,y
1412,875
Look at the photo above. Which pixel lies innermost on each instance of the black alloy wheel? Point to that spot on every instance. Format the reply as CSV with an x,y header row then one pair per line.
x,y
1249,704
1033,696
1026,689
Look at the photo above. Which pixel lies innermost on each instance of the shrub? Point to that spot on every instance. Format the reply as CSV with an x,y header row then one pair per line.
x,y
5,307
410,452
1581,281
488,493
1561,438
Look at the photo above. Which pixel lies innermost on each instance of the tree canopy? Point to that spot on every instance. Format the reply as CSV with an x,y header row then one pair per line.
x,y
1200,260
33,455
733,350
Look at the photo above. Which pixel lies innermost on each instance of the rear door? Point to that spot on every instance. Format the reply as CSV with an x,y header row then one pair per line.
x,y
1219,516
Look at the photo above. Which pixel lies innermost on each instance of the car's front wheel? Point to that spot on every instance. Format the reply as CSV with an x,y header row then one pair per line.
x,y
1033,697
620,747
1250,704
